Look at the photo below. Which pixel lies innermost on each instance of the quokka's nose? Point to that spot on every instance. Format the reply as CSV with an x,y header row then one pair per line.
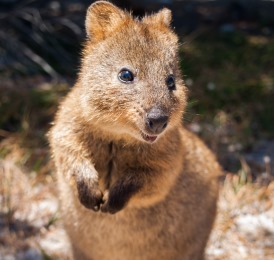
x,y
156,120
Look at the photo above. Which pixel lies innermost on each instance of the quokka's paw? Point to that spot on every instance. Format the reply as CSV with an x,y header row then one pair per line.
x,y
111,204
90,196
118,196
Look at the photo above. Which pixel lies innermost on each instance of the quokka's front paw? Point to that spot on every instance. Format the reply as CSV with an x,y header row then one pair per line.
x,y
118,196
90,196
112,203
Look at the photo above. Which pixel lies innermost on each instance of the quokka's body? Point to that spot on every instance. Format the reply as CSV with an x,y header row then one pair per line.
x,y
134,184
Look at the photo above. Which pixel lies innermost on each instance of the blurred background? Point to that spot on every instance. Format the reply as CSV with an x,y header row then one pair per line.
x,y
227,60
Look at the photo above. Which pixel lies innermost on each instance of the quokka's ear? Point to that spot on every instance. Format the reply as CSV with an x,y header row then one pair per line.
x,y
163,17
102,18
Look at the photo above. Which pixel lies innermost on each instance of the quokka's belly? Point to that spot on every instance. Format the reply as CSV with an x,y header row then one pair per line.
x,y
169,230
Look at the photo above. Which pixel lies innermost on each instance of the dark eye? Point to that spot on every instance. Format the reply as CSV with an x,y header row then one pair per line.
x,y
126,76
170,82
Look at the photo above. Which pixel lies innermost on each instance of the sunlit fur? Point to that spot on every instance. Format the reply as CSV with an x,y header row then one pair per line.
x,y
97,142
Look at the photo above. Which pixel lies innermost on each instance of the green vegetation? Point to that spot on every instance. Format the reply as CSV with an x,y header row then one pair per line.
x,y
232,72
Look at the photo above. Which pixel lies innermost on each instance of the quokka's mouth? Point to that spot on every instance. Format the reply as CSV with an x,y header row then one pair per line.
x,y
149,138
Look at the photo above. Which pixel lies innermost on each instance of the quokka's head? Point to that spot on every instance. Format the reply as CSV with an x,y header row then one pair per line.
x,y
130,81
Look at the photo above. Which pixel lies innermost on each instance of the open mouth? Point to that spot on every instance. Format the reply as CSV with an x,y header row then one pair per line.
x,y
149,138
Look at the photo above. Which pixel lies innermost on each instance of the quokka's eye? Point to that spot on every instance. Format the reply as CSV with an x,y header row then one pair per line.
x,y
126,76
170,82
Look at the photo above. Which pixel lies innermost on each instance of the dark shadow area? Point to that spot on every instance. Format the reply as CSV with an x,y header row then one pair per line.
x,y
45,36
15,234
22,229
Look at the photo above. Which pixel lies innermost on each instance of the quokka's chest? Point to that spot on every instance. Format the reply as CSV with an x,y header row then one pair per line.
x,y
111,161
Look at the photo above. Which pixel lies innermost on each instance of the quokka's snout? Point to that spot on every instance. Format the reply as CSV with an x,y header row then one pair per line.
x,y
156,120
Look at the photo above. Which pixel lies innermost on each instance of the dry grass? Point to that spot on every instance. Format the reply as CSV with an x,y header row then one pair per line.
x,y
28,217
244,228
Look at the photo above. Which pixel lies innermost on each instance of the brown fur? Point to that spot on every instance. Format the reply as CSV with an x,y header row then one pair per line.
x,y
163,193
